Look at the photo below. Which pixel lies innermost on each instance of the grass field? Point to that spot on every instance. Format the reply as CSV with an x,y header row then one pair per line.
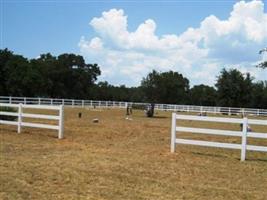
x,y
122,159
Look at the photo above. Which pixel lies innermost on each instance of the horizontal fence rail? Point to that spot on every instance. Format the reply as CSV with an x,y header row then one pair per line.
x,y
244,133
118,104
20,115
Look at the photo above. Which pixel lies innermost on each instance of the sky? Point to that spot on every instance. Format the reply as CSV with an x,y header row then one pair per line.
x,y
129,39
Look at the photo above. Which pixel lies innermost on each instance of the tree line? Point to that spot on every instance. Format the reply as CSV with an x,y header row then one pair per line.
x,y
69,76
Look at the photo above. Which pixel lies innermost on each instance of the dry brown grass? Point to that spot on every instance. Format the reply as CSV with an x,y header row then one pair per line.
x,y
122,159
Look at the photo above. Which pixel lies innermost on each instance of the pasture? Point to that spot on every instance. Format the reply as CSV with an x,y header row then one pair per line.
x,y
122,159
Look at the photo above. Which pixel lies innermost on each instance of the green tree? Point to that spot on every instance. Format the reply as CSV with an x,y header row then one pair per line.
x,y
5,56
203,95
76,76
166,87
234,88
264,63
136,94
65,76
20,77
105,91
259,95
46,67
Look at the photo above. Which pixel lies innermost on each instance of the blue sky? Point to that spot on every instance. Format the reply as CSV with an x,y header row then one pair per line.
x,y
195,38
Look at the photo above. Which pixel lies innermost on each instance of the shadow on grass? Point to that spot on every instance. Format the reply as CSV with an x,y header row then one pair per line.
x,y
12,131
257,160
224,156
6,130
210,155
159,117
154,117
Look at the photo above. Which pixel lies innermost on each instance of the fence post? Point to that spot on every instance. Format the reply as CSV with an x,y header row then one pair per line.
x,y
19,117
173,132
72,103
82,103
61,122
39,101
10,100
244,139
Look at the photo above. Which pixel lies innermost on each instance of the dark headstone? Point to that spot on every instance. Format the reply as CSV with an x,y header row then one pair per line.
x,y
150,110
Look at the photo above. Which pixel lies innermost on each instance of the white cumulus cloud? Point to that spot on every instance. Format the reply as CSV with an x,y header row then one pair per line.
x,y
198,53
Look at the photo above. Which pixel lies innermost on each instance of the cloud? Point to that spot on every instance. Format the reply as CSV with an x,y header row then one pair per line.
x,y
198,53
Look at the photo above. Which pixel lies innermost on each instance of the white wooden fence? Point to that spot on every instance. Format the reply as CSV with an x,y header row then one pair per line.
x,y
244,133
20,114
120,104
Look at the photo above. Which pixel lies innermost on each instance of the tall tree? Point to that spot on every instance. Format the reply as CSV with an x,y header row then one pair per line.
x,y
5,57
20,77
203,95
166,87
65,76
259,95
47,67
76,75
234,88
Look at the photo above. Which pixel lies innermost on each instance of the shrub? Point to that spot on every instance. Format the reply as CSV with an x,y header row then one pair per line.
x,y
138,107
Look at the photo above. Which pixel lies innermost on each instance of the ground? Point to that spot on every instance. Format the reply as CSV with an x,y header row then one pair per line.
x,y
123,159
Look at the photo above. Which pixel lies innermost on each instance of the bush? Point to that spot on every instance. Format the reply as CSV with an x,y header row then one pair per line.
x,y
138,106
7,109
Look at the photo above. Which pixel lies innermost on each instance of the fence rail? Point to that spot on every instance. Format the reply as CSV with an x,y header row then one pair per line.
x,y
119,104
244,134
20,114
